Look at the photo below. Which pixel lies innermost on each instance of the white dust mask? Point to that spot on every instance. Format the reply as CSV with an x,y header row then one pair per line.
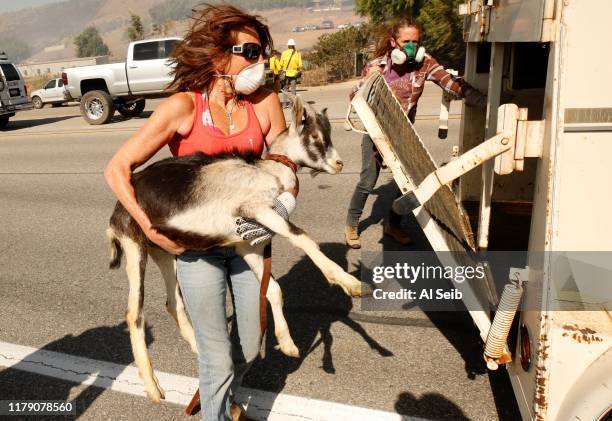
x,y
249,79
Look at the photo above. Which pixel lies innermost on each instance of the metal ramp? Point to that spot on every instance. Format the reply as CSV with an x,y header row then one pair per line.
x,y
442,218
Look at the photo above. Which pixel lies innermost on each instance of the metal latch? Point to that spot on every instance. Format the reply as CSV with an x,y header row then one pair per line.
x,y
479,9
474,6
516,139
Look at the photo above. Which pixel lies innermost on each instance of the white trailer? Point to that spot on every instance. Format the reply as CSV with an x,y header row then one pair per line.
x,y
538,160
551,58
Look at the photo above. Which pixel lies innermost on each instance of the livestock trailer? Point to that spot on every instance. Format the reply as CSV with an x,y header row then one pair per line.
x,y
532,174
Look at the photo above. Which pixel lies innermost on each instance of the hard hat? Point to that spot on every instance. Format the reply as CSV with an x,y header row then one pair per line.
x,y
291,42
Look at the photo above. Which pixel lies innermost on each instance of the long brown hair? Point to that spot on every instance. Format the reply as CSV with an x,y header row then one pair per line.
x,y
389,32
207,45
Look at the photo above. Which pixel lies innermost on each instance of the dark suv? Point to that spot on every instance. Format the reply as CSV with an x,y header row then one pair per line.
x,y
13,93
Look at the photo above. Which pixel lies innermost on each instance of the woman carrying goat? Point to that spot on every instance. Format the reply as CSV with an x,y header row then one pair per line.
x,y
220,108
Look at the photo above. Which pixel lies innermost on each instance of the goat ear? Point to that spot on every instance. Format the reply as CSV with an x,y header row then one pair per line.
x,y
298,111
324,112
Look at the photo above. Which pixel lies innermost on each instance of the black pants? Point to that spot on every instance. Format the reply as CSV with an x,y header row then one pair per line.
x,y
370,168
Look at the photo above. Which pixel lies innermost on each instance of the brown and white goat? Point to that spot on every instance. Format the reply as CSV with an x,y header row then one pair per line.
x,y
194,200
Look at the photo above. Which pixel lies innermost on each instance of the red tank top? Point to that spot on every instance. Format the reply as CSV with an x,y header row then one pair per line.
x,y
205,137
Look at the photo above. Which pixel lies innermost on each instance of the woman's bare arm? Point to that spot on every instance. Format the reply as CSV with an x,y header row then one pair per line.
x,y
173,116
276,116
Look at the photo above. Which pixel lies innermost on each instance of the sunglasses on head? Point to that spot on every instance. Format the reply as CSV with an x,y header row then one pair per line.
x,y
250,50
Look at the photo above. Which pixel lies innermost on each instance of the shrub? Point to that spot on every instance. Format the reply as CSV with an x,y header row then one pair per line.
x,y
336,52
315,76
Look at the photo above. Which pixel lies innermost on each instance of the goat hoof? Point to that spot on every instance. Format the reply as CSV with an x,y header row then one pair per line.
x,y
289,350
352,292
155,392
155,395
350,285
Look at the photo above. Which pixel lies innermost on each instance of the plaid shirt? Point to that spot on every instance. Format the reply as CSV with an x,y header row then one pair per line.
x,y
409,86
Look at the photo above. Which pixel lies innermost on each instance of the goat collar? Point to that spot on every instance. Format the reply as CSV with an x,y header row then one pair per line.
x,y
283,160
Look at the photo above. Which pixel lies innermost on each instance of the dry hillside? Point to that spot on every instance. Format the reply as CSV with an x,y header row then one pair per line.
x,y
59,23
281,21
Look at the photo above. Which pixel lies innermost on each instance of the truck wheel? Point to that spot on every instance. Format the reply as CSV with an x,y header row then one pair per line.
x,y
97,107
37,102
133,109
3,121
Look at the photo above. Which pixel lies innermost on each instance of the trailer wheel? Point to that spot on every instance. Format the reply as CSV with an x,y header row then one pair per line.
x,y
133,109
97,107
4,119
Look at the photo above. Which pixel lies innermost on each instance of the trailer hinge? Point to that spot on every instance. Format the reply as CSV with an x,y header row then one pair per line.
x,y
525,142
515,140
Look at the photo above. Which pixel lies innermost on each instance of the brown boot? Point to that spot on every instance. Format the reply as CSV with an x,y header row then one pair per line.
x,y
352,237
397,234
237,412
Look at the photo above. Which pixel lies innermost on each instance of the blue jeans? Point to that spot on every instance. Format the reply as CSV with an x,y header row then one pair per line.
x,y
222,359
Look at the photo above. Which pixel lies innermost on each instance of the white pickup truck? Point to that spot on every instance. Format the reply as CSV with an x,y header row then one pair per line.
x,y
104,88
52,92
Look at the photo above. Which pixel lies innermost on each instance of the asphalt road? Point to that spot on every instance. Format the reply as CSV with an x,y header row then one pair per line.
x,y
58,294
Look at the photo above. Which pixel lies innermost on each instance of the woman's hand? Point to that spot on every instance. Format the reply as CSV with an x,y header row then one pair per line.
x,y
163,241
249,230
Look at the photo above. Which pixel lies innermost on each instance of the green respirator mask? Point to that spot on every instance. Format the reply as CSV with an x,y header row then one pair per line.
x,y
408,54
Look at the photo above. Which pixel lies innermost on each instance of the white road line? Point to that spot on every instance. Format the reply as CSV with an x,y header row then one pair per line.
x,y
120,378
261,405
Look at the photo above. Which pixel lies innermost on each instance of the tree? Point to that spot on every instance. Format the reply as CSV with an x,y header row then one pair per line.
x,y
89,43
442,28
443,31
336,51
168,27
163,29
388,10
135,31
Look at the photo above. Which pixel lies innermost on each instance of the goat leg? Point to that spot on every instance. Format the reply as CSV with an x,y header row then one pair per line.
x,y
332,271
253,256
174,300
136,261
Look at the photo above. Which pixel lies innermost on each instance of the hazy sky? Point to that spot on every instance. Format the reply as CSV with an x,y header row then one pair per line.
x,y
12,5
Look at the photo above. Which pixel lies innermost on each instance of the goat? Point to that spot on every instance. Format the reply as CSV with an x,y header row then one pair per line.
x,y
194,201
